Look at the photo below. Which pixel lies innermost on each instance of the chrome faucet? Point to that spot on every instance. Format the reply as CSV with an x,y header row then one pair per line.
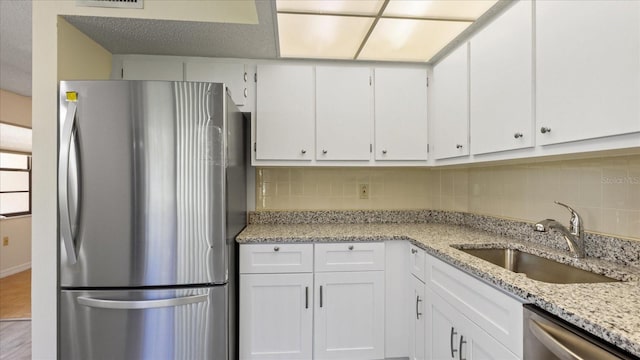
x,y
574,235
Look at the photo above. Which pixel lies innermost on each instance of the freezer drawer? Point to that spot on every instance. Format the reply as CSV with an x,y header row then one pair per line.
x,y
188,323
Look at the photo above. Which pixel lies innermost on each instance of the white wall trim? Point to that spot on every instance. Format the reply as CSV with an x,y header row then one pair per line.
x,y
15,269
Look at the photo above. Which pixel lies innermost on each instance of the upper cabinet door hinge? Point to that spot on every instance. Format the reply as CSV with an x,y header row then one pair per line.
x,y
427,81
370,148
255,77
370,80
121,73
427,148
255,147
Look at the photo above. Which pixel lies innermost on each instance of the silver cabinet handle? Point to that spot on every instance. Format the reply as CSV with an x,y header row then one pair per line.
x,y
350,247
418,301
141,304
324,151
245,76
545,129
306,297
384,151
460,348
246,92
276,248
453,333
303,151
414,251
63,179
458,146
518,135
320,295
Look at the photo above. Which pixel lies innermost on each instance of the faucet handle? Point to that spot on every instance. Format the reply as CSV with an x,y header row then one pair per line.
x,y
576,219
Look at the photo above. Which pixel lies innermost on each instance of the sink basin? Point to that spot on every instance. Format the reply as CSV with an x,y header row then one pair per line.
x,y
536,267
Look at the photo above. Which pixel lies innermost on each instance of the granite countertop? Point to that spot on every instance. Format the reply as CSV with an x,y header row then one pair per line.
x,y
610,311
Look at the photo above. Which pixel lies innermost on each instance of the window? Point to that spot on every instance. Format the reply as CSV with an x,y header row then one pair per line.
x,y
15,184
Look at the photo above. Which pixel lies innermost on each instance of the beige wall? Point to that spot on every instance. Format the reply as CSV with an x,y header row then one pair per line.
x,y
606,191
79,57
15,109
16,256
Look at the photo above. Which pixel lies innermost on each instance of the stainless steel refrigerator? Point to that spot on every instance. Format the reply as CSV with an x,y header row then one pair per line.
x,y
151,194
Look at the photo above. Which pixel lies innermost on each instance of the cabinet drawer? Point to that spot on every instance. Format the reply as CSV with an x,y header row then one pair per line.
x,y
497,313
416,256
276,258
349,257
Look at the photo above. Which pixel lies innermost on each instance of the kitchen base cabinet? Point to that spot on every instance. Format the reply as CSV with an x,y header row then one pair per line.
x,y
349,315
450,335
276,316
417,333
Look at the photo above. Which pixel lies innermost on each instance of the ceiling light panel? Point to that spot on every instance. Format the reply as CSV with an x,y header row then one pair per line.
x,y
439,9
409,40
360,7
321,36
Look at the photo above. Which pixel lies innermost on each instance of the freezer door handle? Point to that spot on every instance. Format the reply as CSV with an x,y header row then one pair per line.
x,y
140,304
63,178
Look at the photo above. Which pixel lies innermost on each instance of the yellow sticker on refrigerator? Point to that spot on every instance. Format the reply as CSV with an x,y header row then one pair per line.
x,y
72,96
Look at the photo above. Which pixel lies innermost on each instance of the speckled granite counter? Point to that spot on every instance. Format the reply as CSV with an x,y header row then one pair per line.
x,y
610,311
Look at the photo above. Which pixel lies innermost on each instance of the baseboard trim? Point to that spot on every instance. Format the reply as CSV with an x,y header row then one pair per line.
x,y
15,269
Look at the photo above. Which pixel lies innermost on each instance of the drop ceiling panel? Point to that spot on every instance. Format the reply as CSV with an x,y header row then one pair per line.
x,y
361,7
409,40
321,36
450,9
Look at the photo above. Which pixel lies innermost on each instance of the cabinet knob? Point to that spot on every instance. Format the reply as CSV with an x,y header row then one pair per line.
x,y
518,135
245,76
350,247
276,248
545,129
458,146
384,151
324,151
246,92
303,151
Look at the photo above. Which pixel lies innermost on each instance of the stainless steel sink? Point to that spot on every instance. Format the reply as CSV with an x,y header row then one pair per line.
x,y
536,267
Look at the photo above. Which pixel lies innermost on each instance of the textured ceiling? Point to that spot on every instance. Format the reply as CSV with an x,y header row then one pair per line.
x,y
15,46
162,37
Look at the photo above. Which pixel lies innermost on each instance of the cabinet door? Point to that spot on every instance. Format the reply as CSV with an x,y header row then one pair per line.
x,y
152,69
501,86
349,315
285,114
417,332
450,121
276,314
231,74
587,69
400,104
343,113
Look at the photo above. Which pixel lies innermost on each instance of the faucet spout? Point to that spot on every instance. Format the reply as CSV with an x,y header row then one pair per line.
x,y
574,235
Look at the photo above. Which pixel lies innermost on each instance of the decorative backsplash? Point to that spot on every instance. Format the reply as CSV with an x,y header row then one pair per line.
x,y
605,191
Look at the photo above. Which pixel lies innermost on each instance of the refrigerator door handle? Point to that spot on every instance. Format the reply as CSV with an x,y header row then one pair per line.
x,y
141,304
63,178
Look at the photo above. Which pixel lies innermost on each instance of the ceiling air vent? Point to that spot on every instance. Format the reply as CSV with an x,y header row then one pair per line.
x,y
128,4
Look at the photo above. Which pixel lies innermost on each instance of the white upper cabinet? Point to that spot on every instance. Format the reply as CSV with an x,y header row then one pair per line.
x,y
285,112
344,104
450,120
152,69
501,82
587,69
400,114
234,75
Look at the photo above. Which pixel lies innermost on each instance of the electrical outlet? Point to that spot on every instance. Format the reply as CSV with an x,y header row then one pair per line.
x,y
5,241
363,190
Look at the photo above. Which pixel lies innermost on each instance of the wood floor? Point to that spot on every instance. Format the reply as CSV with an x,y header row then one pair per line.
x,y
15,340
15,296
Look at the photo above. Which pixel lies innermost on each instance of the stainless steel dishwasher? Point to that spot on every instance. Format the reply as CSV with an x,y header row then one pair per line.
x,y
547,337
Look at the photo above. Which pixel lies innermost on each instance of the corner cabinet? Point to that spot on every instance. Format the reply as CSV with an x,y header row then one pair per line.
x,y
285,112
400,114
501,87
450,120
587,69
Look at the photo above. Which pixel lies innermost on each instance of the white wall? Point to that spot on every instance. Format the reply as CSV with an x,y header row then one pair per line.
x,y
16,256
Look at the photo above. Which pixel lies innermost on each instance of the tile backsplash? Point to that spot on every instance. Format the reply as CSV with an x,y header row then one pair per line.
x,y
605,191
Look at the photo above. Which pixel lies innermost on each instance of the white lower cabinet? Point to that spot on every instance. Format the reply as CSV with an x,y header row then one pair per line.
x,y
450,335
276,316
349,315
417,331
